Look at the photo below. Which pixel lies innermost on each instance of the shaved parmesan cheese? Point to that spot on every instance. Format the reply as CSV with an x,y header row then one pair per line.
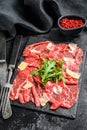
x,y
34,51
43,100
73,74
70,60
57,90
73,46
27,85
50,46
22,65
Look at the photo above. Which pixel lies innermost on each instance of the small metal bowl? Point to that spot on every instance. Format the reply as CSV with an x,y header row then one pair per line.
x,y
71,31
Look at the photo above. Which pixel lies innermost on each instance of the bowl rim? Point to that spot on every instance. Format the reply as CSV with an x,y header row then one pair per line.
x,y
72,15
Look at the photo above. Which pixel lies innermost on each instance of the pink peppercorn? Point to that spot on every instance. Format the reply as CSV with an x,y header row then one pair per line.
x,y
71,23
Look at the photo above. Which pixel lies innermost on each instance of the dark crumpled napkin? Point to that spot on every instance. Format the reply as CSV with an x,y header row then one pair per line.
x,y
37,16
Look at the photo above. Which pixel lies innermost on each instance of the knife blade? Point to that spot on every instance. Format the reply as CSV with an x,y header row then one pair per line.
x,y
2,47
14,55
15,51
6,109
3,64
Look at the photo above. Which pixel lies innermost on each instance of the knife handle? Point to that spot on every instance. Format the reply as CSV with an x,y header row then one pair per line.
x,y
15,51
2,47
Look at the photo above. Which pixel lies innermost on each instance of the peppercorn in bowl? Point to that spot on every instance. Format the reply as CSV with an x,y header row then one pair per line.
x,y
71,24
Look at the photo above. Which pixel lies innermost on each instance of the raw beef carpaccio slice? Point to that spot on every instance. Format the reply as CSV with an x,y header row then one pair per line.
x,y
27,88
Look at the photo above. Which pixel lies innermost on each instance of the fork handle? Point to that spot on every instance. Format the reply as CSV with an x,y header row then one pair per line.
x,y
7,113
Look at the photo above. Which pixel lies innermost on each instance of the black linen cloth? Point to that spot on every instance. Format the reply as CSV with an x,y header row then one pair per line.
x,y
32,17
37,16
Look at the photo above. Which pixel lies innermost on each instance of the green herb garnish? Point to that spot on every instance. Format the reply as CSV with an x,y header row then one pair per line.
x,y
50,70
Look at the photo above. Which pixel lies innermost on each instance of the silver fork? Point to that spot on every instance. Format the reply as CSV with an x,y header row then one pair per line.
x,y
5,102
3,68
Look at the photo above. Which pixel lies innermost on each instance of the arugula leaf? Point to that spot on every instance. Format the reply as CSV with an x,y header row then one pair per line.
x,y
50,70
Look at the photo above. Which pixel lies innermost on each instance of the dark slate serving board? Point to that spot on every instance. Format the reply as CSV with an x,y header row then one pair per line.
x,y
57,38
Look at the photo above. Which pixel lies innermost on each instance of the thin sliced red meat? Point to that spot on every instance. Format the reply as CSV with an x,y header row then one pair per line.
x,y
26,72
41,46
78,56
73,67
54,97
33,62
20,98
36,96
17,84
72,81
70,96
61,47
55,55
26,95
58,94
37,80
31,97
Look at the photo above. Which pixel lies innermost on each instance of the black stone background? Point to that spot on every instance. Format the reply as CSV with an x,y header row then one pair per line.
x,y
37,19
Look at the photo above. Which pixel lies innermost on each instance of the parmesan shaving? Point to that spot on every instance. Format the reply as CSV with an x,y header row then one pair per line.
x,y
70,60
43,100
50,46
75,75
34,51
57,90
28,85
73,46
22,65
